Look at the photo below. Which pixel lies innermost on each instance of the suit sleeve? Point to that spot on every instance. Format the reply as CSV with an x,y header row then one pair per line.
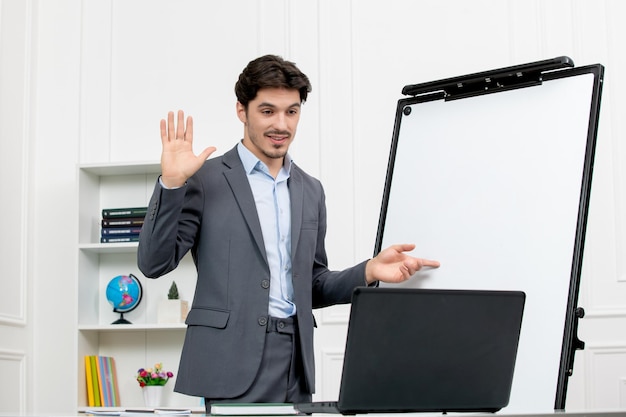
x,y
170,228
332,287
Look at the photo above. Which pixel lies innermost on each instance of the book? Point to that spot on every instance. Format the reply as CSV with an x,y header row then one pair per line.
x,y
119,239
115,386
120,231
124,212
253,409
107,381
123,222
94,381
89,381
104,399
102,386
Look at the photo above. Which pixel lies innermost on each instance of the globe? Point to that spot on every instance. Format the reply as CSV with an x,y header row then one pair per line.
x,y
124,293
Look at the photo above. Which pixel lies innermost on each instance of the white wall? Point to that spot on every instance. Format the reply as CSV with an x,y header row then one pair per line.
x,y
16,351
94,77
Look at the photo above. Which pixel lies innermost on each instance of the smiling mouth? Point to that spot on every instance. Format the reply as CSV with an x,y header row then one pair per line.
x,y
277,138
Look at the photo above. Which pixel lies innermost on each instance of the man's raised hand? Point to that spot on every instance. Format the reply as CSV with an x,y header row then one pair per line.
x,y
178,162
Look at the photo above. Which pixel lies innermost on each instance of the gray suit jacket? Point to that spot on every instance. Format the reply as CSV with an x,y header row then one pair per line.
x,y
214,216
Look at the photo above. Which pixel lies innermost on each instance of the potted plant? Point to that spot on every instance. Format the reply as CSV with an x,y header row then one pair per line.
x,y
172,310
152,381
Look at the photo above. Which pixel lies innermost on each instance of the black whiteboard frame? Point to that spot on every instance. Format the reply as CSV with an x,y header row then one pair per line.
x,y
505,79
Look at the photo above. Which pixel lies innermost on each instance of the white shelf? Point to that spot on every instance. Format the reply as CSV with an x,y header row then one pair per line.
x,y
128,247
108,169
130,327
144,342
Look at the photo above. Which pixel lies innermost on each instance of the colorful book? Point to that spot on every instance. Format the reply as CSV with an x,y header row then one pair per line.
x,y
100,372
124,212
106,381
115,391
89,381
102,385
94,381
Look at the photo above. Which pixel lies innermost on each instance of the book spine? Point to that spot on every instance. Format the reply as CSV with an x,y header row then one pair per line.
x,y
123,222
94,380
119,239
124,212
106,382
89,381
120,231
115,392
101,389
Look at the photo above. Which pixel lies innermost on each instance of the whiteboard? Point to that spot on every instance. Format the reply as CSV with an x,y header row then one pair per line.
x,y
495,187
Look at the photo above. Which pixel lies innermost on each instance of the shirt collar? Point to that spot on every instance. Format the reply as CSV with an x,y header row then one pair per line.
x,y
250,161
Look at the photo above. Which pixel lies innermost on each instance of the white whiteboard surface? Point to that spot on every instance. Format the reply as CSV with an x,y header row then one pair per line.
x,y
490,187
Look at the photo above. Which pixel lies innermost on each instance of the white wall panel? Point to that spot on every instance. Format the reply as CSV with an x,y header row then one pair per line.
x,y
336,145
53,152
616,103
13,382
182,55
95,89
607,391
556,28
15,89
157,56
604,286
14,102
303,46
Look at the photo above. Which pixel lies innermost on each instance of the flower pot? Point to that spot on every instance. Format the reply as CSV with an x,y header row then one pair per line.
x,y
172,311
152,395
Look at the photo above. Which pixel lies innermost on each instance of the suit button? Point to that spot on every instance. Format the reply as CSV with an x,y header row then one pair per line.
x,y
262,321
265,283
281,325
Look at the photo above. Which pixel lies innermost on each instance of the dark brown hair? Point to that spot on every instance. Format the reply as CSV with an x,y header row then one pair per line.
x,y
270,71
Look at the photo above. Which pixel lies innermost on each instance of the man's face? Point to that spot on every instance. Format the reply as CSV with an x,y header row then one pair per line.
x,y
270,123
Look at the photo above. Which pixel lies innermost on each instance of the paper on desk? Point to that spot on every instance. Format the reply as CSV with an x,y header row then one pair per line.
x,y
138,412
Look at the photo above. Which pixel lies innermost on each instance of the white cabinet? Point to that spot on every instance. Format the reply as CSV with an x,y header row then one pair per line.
x,y
144,342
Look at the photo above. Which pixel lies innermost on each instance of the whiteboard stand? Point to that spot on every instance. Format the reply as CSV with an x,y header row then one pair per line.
x,y
490,173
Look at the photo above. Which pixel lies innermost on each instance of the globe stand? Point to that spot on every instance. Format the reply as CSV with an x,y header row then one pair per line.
x,y
121,320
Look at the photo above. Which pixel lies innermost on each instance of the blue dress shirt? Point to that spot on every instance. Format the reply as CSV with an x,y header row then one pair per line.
x,y
271,196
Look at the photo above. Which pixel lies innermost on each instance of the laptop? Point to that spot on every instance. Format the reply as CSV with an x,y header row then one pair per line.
x,y
427,350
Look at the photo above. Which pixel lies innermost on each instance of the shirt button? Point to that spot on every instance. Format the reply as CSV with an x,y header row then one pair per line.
x,y
265,283
262,321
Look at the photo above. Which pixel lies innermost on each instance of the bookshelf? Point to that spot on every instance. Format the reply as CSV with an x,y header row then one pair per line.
x,y
144,342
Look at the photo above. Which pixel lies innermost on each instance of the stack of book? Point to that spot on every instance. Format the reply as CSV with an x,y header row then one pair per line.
x,y
122,224
101,377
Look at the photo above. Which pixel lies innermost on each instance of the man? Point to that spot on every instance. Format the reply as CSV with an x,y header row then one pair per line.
x,y
255,224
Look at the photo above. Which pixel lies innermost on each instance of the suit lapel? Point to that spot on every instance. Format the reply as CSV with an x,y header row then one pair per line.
x,y
296,196
240,187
